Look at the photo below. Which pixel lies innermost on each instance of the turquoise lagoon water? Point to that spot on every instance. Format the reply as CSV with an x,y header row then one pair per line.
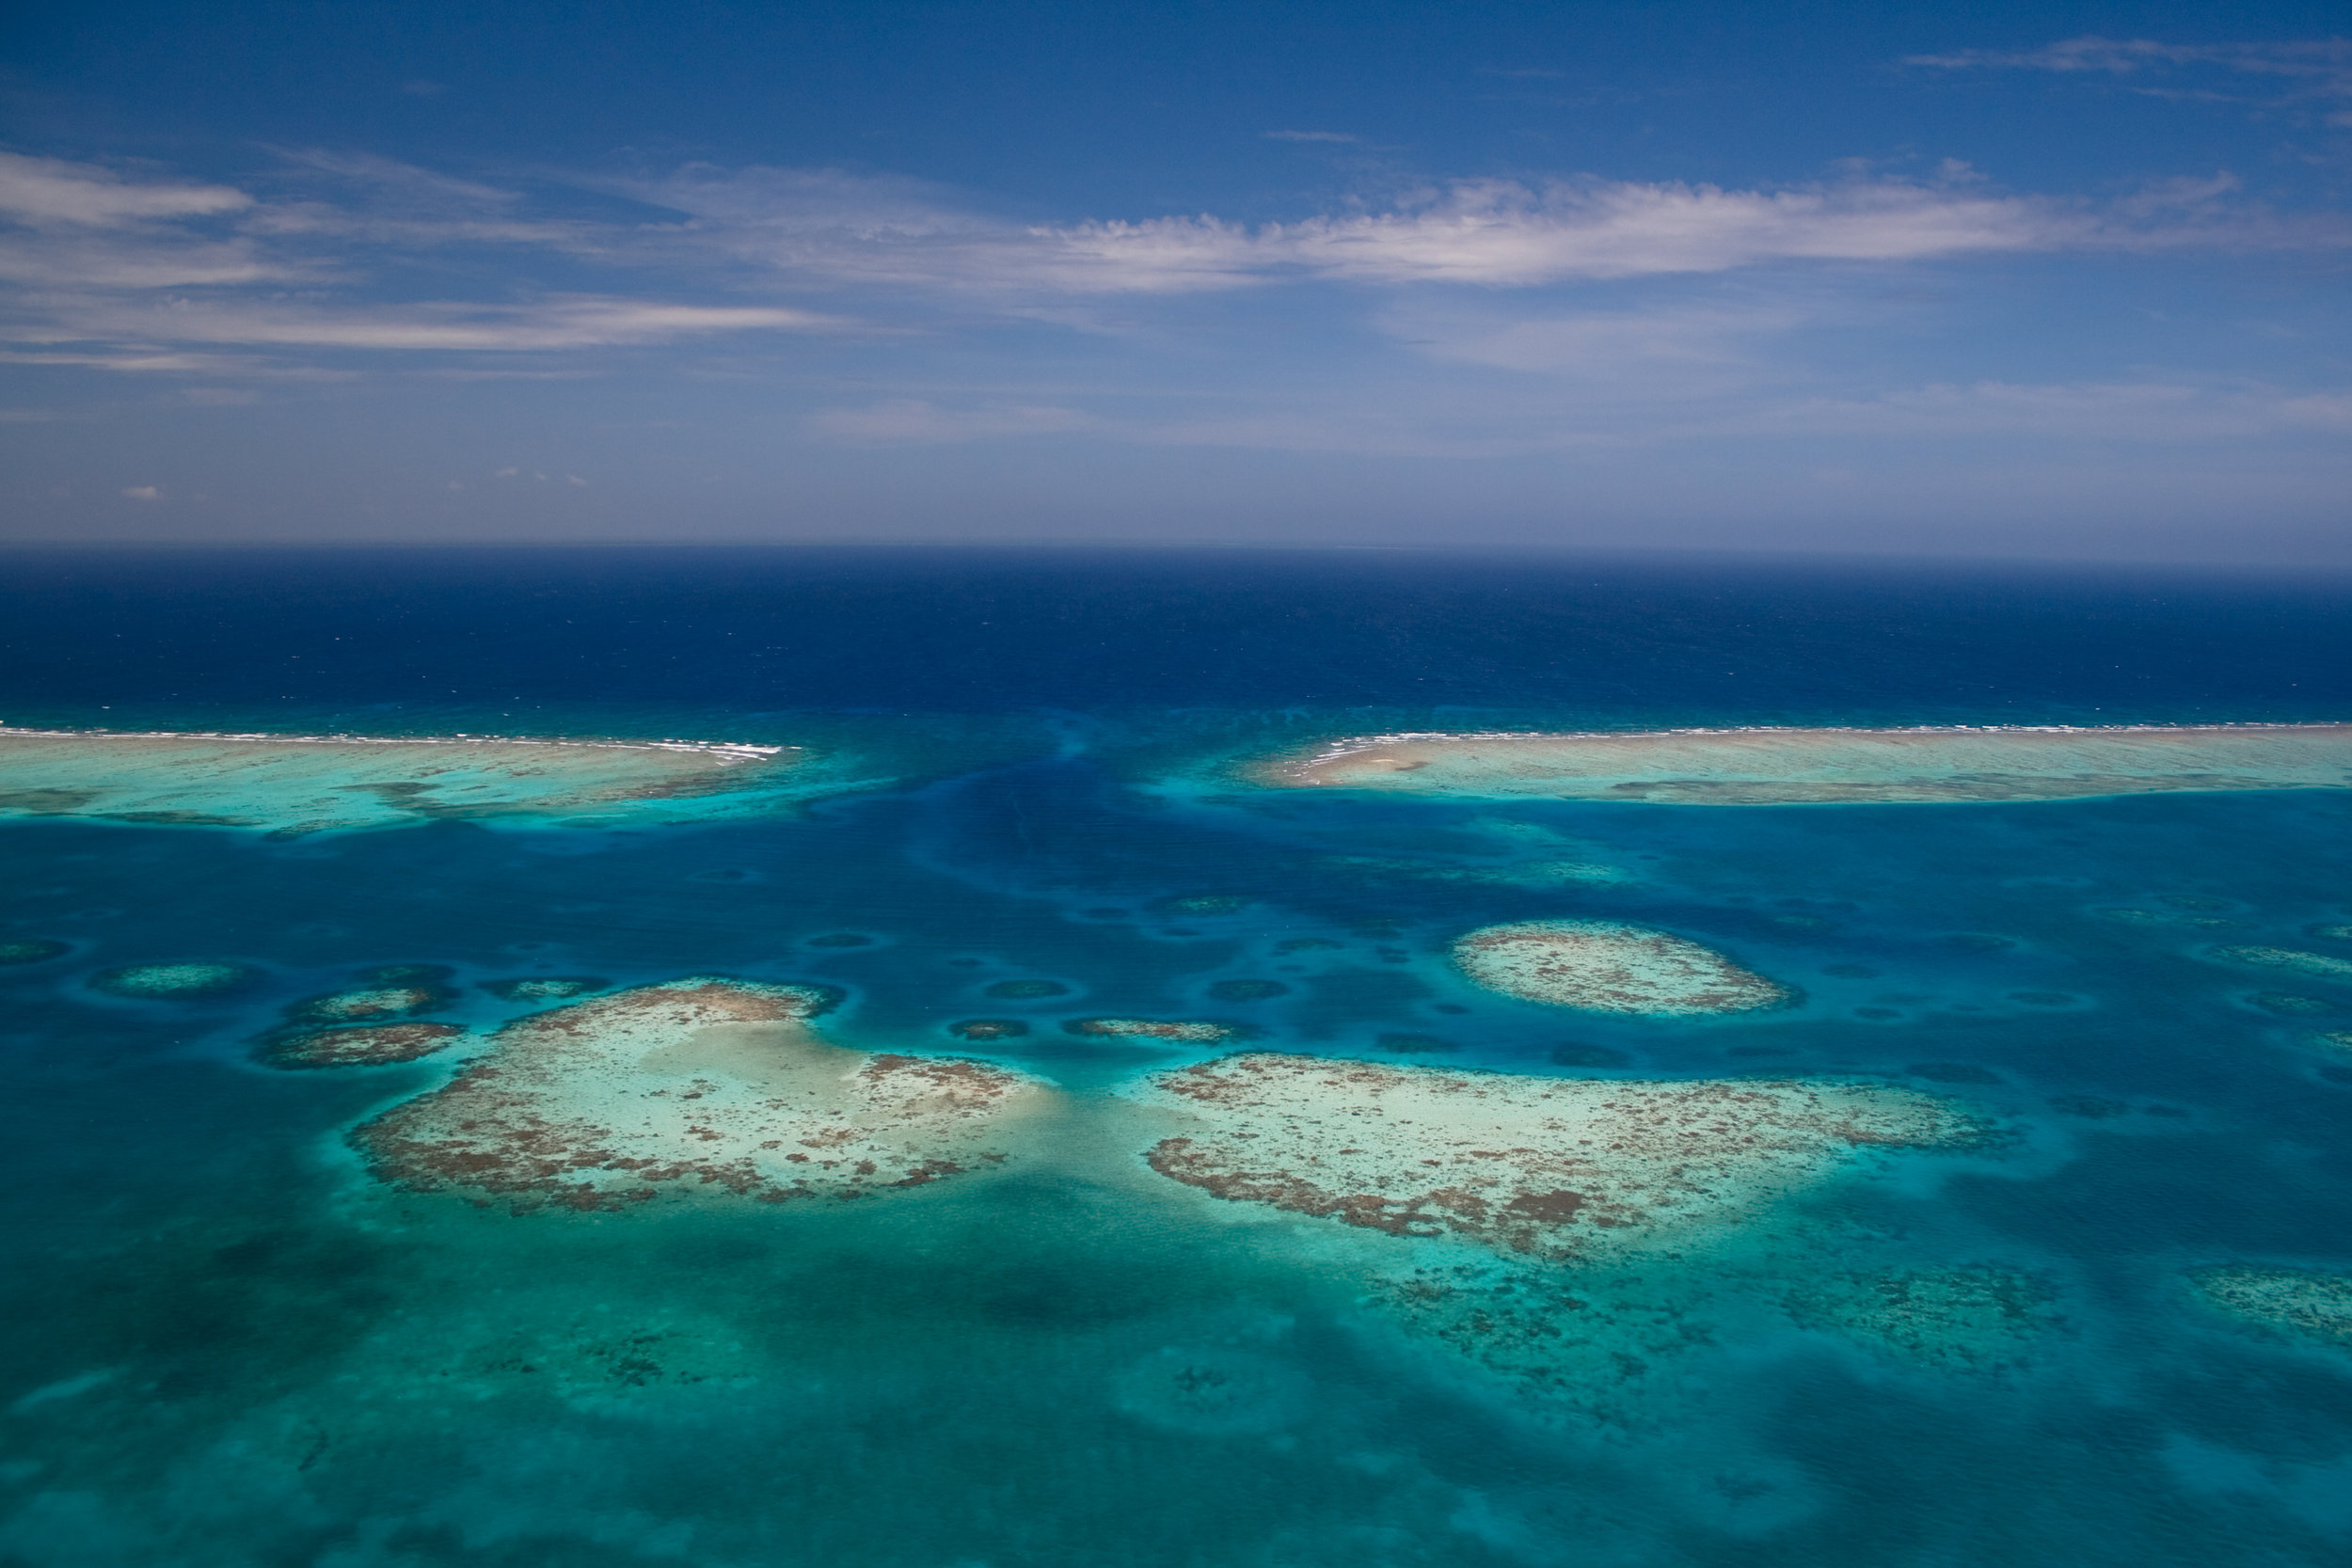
x,y
228,1344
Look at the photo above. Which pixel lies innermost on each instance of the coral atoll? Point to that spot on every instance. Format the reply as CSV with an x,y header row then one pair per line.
x,y
698,1085
1606,967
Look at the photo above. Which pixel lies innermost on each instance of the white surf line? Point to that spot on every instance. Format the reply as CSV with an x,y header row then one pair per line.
x,y
729,751
1354,744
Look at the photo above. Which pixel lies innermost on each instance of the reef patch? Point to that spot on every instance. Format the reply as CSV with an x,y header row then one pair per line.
x,y
2326,966
1177,1031
1549,1168
701,1085
543,987
1981,1318
357,1045
1604,966
32,951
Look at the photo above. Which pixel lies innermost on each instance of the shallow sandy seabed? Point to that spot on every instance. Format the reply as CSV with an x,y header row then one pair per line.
x,y
2298,1301
293,784
1798,767
1560,1170
702,1084
1607,967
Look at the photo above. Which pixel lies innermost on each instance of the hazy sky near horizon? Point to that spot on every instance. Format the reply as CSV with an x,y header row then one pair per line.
x,y
2051,280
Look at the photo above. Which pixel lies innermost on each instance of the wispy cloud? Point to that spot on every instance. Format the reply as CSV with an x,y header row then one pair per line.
x,y
559,322
1312,136
919,423
2308,67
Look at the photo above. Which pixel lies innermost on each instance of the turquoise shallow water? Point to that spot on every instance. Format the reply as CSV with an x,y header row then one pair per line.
x,y
228,1344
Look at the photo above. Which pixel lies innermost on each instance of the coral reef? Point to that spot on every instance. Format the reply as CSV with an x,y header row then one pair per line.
x,y
1800,766
1560,1170
2302,1302
543,987
1605,967
32,950
1181,1030
1981,1318
988,1029
698,1085
2326,966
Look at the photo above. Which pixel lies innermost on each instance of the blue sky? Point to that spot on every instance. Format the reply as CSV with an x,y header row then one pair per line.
x,y
2054,280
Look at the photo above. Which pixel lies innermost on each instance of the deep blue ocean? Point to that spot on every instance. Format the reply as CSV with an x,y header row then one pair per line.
x,y
226,1344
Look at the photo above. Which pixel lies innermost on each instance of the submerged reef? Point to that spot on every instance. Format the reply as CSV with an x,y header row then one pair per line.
x,y
1556,1170
357,1045
2302,1302
1606,967
370,1002
1801,766
173,980
1981,1318
1177,1030
704,1085
988,1029
543,987
293,785
2324,965
32,951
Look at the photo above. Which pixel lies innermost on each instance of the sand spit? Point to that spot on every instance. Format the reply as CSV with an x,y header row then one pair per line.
x,y
293,785
1807,766
2303,1302
695,1085
357,1045
1554,1169
1601,966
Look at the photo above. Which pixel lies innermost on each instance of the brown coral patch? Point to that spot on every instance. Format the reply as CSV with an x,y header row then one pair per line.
x,y
359,1045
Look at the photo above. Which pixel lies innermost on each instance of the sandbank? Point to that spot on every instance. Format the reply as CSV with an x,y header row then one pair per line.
x,y
1604,966
1555,1169
293,785
697,1086
1821,767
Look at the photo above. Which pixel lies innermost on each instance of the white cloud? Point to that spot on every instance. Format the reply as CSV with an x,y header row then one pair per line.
x,y
563,322
1312,136
48,192
144,492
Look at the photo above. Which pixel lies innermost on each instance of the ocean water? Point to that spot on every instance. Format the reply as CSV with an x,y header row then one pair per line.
x,y
230,1343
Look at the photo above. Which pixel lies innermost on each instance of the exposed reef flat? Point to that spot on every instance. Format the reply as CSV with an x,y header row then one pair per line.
x,y
1556,1170
2304,1302
702,1084
1802,767
188,980
310,784
357,1045
1607,967
2324,965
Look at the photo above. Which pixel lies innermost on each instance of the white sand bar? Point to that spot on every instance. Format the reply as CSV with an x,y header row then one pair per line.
x,y
309,783
1565,1169
1799,766
702,1085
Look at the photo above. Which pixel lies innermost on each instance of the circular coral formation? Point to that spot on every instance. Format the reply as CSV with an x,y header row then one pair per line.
x,y
988,1029
543,987
2303,1302
32,951
170,981
1026,990
359,1045
1602,966
375,1001
1175,1030
1248,990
